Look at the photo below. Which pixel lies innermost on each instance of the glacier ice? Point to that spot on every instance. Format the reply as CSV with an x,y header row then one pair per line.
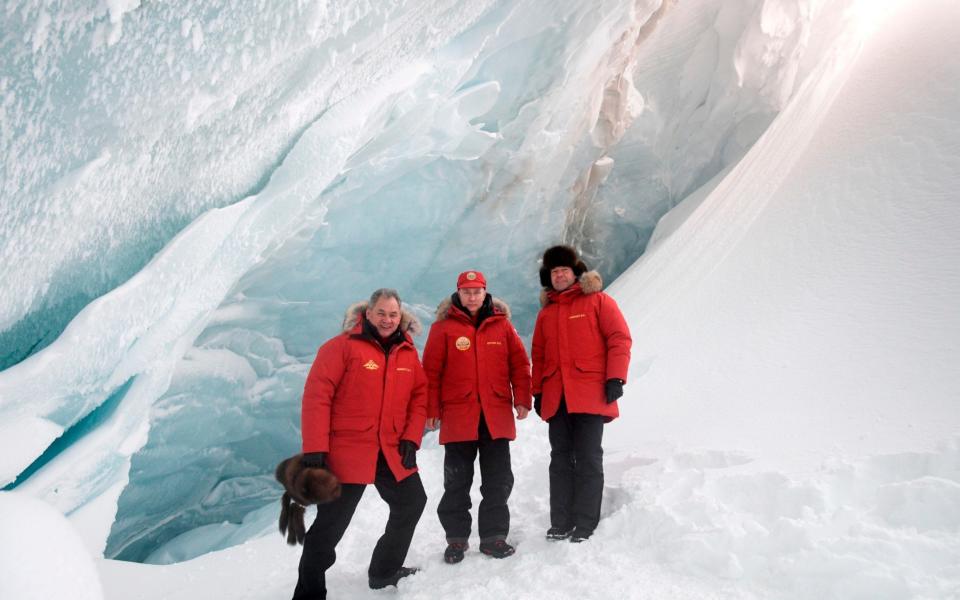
x,y
212,185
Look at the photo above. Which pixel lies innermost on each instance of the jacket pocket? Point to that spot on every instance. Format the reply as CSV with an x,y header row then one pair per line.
x,y
591,369
457,396
351,425
590,365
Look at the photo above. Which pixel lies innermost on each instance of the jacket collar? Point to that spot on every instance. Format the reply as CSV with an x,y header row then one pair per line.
x,y
589,283
356,315
447,309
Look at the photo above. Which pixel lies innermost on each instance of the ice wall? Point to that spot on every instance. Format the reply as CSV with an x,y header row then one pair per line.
x,y
340,149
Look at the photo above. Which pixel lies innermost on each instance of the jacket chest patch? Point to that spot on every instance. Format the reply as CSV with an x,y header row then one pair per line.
x,y
494,343
371,365
404,370
462,343
578,316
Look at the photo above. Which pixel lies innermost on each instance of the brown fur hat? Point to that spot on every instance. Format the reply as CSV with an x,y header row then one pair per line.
x,y
302,486
560,256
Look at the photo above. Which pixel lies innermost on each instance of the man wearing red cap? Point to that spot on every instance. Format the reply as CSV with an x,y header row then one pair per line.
x,y
478,374
581,350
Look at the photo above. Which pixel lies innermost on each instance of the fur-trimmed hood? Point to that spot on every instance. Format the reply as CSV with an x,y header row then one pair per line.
x,y
443,309
409,323
590,283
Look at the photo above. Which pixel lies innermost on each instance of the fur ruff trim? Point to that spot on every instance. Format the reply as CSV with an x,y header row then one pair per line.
x,y
409,323
443,309
590,283
302,486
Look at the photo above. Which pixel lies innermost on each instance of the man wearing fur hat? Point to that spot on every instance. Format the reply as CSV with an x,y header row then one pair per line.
x,y
364,409
581,350
478,374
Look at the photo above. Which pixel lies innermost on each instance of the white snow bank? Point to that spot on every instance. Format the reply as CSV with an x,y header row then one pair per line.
x,y
41,554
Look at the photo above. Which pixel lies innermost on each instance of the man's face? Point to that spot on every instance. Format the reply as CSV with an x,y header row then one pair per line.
x,y
561,278
385,316
472,298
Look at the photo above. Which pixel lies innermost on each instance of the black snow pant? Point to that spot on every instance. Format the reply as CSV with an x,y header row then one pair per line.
x,y
576,469
406,500
496,483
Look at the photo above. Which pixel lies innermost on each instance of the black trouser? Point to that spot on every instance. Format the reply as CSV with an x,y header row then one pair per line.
x,y
406,500
496,482
576,469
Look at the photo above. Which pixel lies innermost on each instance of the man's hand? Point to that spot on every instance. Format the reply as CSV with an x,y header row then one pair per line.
x,y
408,454
433,423
613,389
314,460
522,412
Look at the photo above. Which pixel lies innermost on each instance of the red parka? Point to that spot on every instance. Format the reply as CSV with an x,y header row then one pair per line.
x,y
358,401
580,341
471,368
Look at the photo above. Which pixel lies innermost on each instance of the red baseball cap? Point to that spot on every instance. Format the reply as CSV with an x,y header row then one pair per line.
x,y
471,279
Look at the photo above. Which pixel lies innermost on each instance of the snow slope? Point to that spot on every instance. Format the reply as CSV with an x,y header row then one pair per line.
x,y
790,428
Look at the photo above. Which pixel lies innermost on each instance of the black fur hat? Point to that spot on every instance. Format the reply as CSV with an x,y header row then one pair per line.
x,y
302,486
560,256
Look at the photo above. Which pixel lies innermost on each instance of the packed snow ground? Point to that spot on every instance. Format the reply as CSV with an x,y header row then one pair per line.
x,y
698,524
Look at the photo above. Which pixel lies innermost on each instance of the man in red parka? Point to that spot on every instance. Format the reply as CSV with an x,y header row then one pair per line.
x,y
364,409
581,350
478,373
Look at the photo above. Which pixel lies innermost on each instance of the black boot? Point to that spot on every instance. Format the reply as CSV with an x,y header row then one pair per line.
x,y
497,549
454,552
559,533
580,535
377,583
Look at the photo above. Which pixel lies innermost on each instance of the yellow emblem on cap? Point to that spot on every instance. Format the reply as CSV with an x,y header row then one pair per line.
x,y
371,365
463,343
471,276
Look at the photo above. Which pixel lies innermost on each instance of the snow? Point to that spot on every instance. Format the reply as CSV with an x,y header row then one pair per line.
x,y
789,428
42,556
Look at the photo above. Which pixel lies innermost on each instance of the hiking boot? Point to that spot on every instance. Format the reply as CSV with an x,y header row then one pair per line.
x,y
497,549
454,552
377,583
580,535
559,533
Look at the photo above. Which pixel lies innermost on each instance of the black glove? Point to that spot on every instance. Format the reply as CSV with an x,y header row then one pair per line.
x,y
537,403
614,389
408,454
315,460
